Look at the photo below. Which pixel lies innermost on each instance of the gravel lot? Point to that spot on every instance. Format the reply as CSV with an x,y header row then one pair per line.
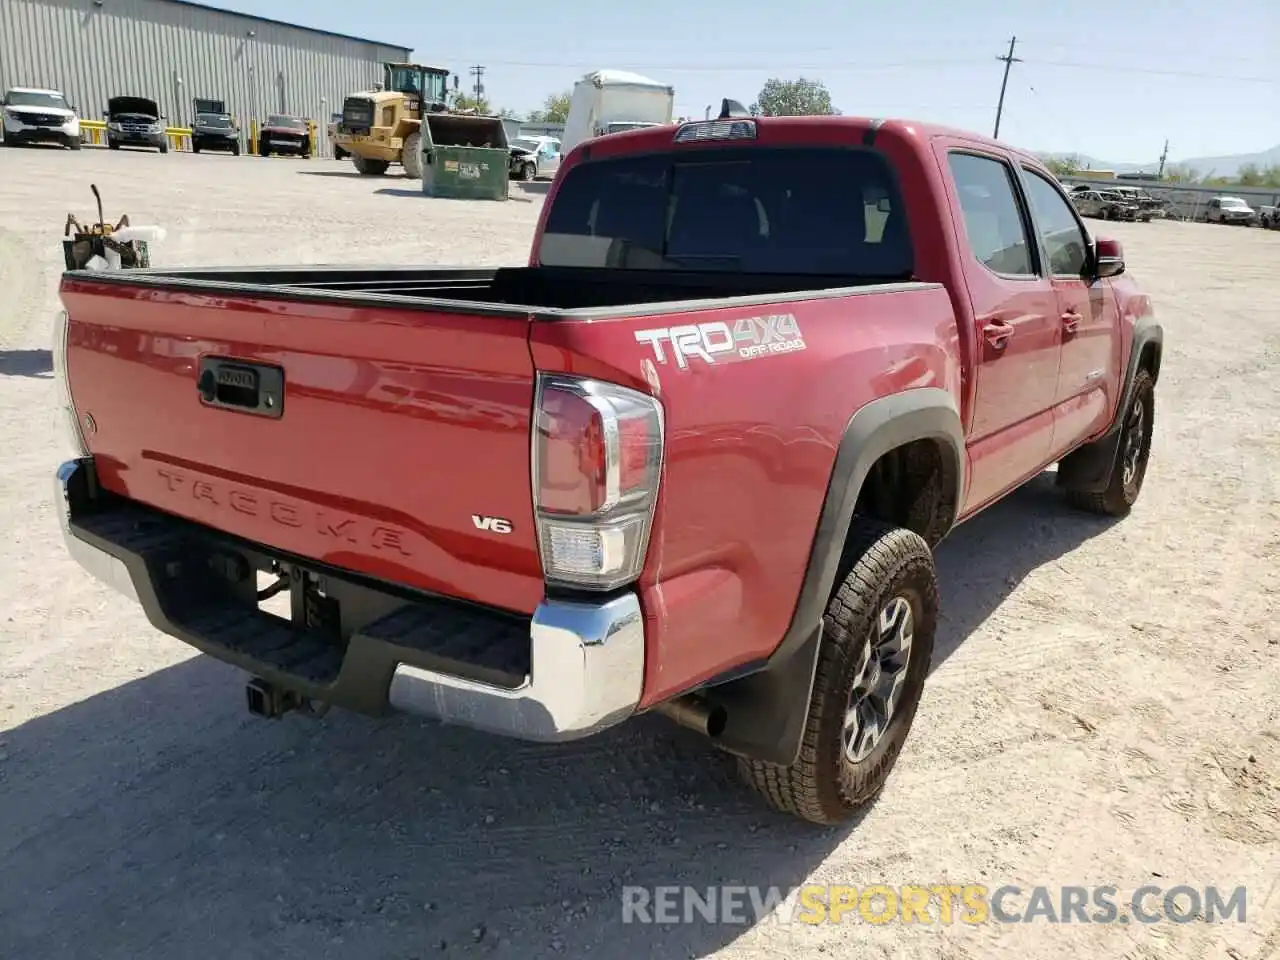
x,y
1103,708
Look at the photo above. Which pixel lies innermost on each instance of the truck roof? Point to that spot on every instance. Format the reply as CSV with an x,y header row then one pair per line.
x,y
35,90
862,128
622,76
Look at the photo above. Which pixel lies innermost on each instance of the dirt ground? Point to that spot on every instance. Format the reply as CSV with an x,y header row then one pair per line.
x,y
1103,707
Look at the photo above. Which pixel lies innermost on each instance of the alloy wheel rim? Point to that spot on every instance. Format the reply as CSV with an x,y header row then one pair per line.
x,y
1133,443
880,678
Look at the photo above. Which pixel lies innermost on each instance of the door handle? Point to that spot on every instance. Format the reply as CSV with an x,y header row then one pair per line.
x,y
1070,321
998,334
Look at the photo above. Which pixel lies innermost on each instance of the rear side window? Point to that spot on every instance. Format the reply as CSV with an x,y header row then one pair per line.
x,y
992,219
833,212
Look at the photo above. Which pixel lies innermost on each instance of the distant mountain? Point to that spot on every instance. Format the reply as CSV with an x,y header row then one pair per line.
x,y
1227,166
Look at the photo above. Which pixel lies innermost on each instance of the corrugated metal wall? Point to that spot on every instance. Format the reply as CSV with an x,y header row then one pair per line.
x,y
174,52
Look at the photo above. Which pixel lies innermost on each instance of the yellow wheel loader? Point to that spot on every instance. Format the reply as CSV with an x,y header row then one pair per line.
x,y
383,126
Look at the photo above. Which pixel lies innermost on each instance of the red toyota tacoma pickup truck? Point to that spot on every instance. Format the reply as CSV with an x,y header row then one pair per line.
x,y
692,459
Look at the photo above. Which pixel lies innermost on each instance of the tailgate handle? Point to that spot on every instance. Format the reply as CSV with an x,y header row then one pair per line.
x,y
256,388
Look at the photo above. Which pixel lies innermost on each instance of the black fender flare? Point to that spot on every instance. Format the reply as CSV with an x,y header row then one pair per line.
x,y
765,709
1089,468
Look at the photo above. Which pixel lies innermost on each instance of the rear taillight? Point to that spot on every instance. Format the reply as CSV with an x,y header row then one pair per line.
x,y
72,435
597,464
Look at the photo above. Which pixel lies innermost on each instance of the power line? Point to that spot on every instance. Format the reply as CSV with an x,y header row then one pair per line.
x,y
774,67
477,86
1009,60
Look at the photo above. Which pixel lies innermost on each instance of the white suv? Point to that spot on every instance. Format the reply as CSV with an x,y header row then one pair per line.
x,y
32,115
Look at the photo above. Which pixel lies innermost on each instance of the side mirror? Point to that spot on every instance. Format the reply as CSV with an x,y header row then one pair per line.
x,y
1108,258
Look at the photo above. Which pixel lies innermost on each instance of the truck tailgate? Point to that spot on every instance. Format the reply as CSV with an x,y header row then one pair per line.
x,y
399,430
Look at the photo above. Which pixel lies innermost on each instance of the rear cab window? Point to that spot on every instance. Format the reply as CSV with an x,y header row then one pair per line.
x,y
830,211
993,218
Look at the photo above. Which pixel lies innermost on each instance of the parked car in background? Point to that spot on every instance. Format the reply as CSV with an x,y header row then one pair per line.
x,y
1229,210
135,122
533,157
284,134
36,115
1148,206
1104,205
215,131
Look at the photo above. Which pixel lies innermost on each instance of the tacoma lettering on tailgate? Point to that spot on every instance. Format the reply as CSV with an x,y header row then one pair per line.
x,y
286,513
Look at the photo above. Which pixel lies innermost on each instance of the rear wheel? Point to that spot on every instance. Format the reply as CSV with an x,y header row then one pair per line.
x,y
1132,456
877,642
411,156
528,172
368,167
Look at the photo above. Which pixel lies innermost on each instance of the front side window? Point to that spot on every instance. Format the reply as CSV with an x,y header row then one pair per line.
x,y
997,233
1065,242
831,212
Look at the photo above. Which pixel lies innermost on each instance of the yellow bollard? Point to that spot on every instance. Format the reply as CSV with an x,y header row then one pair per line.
x,y
253,138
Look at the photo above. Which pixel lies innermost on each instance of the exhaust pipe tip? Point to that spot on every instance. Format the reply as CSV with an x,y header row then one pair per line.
x,y
695,713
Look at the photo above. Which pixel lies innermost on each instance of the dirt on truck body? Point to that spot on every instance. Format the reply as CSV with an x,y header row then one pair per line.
x,y
701,447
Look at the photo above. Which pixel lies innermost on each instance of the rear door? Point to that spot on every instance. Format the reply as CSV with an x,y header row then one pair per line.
x,y
1017,326
1089,372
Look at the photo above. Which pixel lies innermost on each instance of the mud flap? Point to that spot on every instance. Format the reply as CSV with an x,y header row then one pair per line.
x,y
766,711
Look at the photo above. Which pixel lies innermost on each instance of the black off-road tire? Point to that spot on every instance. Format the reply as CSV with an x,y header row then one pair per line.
x,y
1122,492
367,167
823,785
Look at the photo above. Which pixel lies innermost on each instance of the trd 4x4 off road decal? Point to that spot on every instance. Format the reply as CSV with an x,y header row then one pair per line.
x,y
716,342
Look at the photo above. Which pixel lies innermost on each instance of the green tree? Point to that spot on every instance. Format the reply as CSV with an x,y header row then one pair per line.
x,y
1181,173
465,101
555,109
793,98
1249,176
1067,166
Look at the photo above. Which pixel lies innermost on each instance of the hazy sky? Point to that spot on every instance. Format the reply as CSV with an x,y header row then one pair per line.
x,y
1110,80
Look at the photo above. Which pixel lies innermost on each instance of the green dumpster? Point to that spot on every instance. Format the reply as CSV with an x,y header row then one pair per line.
x,y
465,157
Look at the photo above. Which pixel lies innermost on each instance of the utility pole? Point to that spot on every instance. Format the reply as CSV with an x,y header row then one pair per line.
x,y
1163,156
1009,60
478,86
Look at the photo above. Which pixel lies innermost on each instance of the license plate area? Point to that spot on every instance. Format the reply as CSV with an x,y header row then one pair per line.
x,y
256,388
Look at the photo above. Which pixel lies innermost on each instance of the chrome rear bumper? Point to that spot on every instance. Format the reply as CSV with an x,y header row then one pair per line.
x,y
585,660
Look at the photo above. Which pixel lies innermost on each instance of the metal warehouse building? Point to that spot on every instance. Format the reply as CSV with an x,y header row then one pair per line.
x,y
173,51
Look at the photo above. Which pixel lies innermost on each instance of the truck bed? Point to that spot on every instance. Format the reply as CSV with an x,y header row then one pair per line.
x,y
540,292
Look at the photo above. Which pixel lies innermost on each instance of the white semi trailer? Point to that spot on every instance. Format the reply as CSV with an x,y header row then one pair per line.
x,y
612,101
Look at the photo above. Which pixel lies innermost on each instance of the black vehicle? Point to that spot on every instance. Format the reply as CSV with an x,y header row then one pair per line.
x,y
284,134
135,122
215,131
